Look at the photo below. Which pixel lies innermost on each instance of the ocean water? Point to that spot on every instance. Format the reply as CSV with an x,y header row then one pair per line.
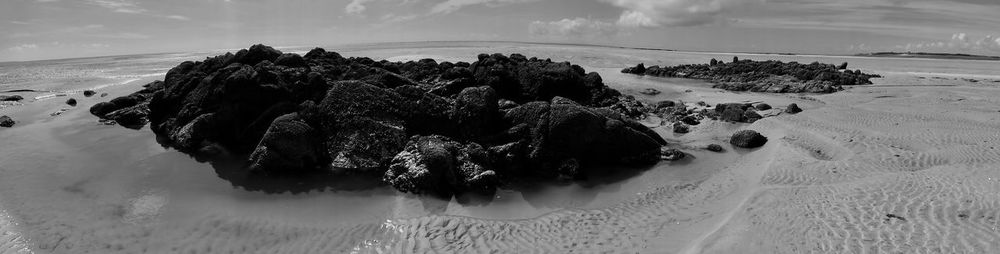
x,y
71,185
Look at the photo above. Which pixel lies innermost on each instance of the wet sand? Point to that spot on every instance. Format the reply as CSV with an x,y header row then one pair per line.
x,y
924,151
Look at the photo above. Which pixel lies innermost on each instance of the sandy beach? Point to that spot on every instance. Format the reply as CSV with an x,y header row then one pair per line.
x,y
910,164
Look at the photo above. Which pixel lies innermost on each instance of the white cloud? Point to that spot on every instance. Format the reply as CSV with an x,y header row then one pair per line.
x,y
356,7
123,6
958,42
450,6
178,17
654,13
23,47
578,27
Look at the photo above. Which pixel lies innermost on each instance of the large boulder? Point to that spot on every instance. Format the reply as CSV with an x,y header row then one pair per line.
x,y
438,165
747,139
523,80
476,112
562,137
288,147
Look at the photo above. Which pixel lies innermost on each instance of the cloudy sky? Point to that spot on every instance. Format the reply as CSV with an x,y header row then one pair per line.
x,y
45,29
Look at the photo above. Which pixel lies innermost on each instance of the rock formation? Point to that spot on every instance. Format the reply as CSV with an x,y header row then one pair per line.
x,y
420,126
764,76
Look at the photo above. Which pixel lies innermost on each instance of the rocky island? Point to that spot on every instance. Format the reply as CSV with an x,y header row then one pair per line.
x,y
420,126
764,76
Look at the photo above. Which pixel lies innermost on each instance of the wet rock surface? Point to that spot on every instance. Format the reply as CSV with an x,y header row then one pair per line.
x,y
747,139
421,126
764,76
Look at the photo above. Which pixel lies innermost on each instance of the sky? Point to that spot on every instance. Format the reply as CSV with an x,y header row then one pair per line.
x,y
50,29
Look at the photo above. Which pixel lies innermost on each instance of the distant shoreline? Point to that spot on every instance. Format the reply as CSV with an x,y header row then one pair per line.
x,y
334,46
931,56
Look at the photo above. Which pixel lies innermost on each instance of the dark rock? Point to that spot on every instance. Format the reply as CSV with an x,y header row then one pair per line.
x,y
714,148
690,120
438,165
71,102
104,94
6,121
291,60
288,147
665,104
476,112
762,106
751,116
88,93
793,109
842,66
681,128
764,76
650,91
671,154
713,62
11,98
558,134
747,139
290,117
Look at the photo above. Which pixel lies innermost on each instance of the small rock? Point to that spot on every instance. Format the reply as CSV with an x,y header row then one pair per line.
x,y
104,94
714,148
762,106
793,109
650,91
5,121
688,91
88,93
890,216
681,128
690,120
747,139
11,98
71,102
671,154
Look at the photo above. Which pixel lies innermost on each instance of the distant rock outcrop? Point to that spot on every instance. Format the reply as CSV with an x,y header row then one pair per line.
x,y
11,98
764,76
420,126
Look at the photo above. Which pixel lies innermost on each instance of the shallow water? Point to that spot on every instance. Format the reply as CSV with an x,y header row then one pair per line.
x,y
71,185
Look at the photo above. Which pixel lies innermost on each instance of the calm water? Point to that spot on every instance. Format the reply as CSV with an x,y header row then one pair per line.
x,y
70,185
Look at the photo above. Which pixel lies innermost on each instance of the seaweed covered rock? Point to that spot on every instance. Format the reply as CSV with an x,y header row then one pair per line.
x,y
747,139
421,126
438,165
764,76
672,154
